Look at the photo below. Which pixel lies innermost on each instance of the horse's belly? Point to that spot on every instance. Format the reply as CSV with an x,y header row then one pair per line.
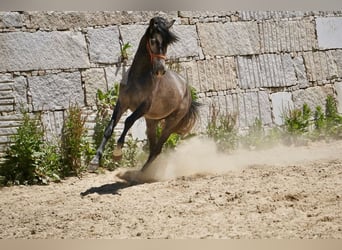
x,y
158,111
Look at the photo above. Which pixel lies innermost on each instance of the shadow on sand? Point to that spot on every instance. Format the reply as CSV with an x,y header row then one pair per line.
x,y
127,179
112,188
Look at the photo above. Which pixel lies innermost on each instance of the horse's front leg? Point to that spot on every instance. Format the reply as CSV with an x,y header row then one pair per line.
x,y
138,113
117,112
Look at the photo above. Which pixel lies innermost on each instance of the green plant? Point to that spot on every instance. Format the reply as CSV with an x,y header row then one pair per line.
x,y
194,94
222,130
48,163
107,158
105,103
107,100
300,126
319,119
75,148
124,51
131,153
297,121
333,119
322,125
331,110
173,139
19,164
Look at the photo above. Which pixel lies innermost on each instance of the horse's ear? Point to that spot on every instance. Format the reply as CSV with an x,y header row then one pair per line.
x,y
170,24
152,22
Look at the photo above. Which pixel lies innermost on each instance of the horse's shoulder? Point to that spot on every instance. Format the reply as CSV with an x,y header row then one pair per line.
x,y
176,75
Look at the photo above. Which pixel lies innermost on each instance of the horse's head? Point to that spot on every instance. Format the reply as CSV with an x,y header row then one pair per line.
x,y
158,38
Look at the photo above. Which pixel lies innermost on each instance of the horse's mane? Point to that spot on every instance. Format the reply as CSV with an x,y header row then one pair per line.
x,y
160,25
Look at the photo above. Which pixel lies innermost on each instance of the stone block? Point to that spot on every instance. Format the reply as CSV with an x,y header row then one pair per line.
x,y
269,14
329,32
5,87
13,93
114,75
104,46
299,67
10,120
203,13
322,65
93,79
53,124
20,88
338,60
219,105
210,75
227,39
338,89
8,127
264,107
62,20
7,104
287,36
281,104
22,51
132,34
187,45
313,97
56,91
254,105
10,19
269,70
247,106
205,112
232,104
6,78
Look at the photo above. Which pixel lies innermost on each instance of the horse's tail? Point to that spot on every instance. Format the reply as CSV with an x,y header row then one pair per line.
x,y
189,120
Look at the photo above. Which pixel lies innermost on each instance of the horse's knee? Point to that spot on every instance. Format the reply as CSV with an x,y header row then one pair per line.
x,y
108,132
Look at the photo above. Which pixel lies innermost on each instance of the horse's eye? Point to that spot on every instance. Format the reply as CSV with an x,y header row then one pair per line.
x,y
153,41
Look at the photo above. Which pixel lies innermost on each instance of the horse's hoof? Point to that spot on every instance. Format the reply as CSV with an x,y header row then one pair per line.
x,y
93,165
117,154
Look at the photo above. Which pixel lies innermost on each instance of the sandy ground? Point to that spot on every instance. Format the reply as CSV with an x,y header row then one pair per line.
x,y
287,193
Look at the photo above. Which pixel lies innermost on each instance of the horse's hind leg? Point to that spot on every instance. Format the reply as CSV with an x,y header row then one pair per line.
x,y
170,127
151,132
118,111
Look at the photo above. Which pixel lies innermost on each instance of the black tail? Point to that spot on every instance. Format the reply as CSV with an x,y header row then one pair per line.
x,y
189,119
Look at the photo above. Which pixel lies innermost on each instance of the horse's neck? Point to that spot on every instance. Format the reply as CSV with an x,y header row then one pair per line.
x,y
141,64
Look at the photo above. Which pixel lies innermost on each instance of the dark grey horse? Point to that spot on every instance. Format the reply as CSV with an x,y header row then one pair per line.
x,y
150,90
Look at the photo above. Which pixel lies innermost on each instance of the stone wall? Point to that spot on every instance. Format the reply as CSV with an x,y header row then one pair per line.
x,y
251,63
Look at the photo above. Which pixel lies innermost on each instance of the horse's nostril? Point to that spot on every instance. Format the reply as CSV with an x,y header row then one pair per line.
x,y
160,73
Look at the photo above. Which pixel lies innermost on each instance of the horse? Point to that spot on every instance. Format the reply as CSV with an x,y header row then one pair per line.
x,y
152,91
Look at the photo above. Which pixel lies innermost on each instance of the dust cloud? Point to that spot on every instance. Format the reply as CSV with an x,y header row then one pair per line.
x,y
199,156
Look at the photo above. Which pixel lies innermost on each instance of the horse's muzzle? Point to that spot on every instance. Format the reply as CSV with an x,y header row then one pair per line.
x,y
159,73
159,68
